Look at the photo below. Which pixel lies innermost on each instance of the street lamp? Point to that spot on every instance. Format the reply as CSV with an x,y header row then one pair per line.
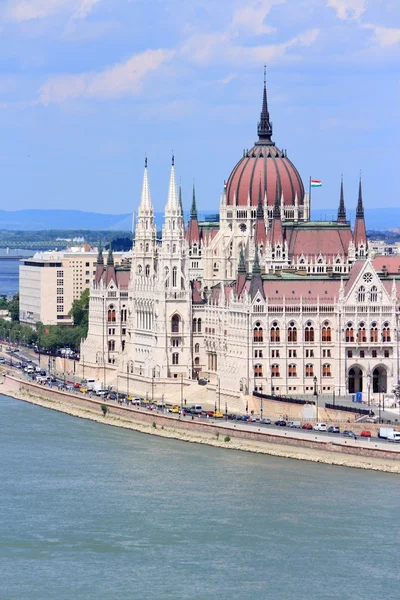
x,y
316,393
152,386
226,410
333,396
369,388
219,395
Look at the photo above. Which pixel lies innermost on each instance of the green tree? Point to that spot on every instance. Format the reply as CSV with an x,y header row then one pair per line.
x,y
80,311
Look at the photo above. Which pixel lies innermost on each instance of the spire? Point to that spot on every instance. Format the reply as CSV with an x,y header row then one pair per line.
x,y
242,263
260,233
264,127
260,209
172,202
180,198
360,206
277,207
110,257
145,200
100,257
341,217
193,210
256,263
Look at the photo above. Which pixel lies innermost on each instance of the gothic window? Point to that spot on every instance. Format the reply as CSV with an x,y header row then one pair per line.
x,y
309,370
242,227
166,277
292,370
173,248
349,333
258,371
111,315
147,247
275,333
374,294
175,323
361,294
374,333
275,371
258,333
123,315
139,269
175,358
194,325
326,333
326,370
111,345
309,332
147,270
292,332
197,348
361,334
174,276
386,333
198,325
367,277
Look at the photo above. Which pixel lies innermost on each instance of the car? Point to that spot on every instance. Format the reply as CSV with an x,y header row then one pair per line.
x,y
366,433
319,427
83,389
69,387
202,381
210,413
175,410
218,415
349,433
280,423
43,372
266,421
333,429
2,359
307,426
112,396
245,418
102,393
77,385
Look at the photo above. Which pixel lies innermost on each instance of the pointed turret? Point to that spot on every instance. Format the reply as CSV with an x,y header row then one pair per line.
x,y
256,284
172,207
193,210
342,209
100,257
145,206
110,257
360,234
275,233
256,264
241,273
260,233
193,232
180,198
264,128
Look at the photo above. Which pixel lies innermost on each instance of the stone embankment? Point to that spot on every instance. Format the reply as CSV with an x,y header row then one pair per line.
x,y
289,444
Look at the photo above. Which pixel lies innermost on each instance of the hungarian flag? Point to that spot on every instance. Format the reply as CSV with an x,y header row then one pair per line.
x,y
316,183
224,186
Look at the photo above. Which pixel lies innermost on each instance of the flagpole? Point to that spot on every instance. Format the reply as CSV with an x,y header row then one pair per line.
x,y
309,198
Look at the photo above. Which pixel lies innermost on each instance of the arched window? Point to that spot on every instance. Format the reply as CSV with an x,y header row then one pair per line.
x,y
374,333
175,323
147,270
326,370
361,334
111,345
309,332
386,337
292,370
374,294
258,371
326,333
275,371
194,325
147,247
258,334
197,348
173,248
174,276
139,269
309,370
361,294
350,333
275,336
111,315
123,315
292,332
198,325
197,361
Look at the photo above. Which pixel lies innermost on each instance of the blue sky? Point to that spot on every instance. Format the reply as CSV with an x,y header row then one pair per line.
x,y
87,87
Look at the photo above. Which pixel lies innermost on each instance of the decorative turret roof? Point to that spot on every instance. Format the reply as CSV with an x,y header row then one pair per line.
x,y
193,232
146,205
360,234
110,257
100,257
180,198
260,233
242,263
342,209
256,284
172,207
241,273
360,206
193,210
275,233
264,127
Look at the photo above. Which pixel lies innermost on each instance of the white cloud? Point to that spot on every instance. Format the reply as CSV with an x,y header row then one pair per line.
x,y
252,16
348,9
119,80
29,10
384,36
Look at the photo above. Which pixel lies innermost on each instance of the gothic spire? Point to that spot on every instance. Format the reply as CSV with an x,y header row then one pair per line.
x,y
277,203
145,200
100,257
110,257
172,202
180,198
264,127
242,263
256,263
260,209
342,209
193,210
360,206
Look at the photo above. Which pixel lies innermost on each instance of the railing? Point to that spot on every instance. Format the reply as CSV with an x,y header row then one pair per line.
x,y
282,398
351,409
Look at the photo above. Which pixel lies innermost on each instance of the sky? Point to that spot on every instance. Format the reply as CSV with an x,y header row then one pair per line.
x,y
89,87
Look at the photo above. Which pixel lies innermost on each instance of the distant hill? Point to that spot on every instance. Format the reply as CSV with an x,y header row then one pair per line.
x,y
37,220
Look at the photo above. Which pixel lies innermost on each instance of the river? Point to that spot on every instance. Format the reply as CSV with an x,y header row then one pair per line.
x,y
98,513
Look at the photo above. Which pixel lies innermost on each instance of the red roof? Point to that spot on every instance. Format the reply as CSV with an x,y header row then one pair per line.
x,y
311,241
392,264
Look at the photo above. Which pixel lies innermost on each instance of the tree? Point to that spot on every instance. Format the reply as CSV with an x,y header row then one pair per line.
x,y
104,408
80,311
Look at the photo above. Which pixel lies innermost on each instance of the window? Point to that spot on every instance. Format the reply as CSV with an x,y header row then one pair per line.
x,y
60,308
292,332
258,353
275,333
292,370
386,354
326,333
174,276
374,353
349,333
123,331
292,353
175,322
87,264
361,334
111,345
362,353
373,333
194,325
111,331
309,370
309,333
361,294
60,273
349,353
258,371
309,353
386,333
147,270
87,272
373,295
123,315
198,325
258,333
175,358
60,299
175,342
326,370
197,361
111,315
275,353
123,345
275,371
197,348
60,291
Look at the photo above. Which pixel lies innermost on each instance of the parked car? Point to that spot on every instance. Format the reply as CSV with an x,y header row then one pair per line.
x,y
307,426
83,389
266,421
333,429
319,427
245,418
218,415
366,433
43,372
294,424
349,433
280,423
175,409
210,413
112,396
77,385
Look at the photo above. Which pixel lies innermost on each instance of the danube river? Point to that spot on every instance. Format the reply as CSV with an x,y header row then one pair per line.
x,y
98,513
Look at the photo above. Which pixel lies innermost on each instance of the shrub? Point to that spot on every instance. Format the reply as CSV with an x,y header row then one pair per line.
x,y
217,435
104,408
227,438
154,425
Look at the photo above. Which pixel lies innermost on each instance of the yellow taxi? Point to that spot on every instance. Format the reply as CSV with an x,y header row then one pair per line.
x,y
218,415
175,409
84,389
129,398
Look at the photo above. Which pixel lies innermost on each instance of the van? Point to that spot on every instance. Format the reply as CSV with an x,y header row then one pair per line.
x,y
394,437
196,409
294,424
319,427
91,384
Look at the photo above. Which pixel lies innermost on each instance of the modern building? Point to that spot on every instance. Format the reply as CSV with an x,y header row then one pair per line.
x,y
49,282
261,299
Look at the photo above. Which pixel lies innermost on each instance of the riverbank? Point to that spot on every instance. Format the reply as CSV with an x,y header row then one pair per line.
x,y
212,434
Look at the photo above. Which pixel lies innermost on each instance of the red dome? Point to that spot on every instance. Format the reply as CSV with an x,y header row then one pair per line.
x,y
267,163
277,173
